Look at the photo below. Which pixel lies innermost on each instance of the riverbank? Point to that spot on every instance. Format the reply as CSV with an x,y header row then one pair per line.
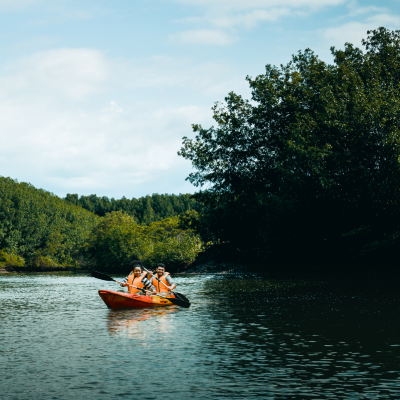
x,y
10,270
206,268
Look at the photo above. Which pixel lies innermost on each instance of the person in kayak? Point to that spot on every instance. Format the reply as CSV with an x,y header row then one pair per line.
x,y
165,278
138,278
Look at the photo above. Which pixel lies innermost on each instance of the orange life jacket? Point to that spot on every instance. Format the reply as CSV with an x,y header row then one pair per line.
x,y
132,280
160,288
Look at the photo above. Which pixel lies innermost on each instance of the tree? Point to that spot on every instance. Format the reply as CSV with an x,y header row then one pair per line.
x,y
309,170
117,239
37,224
145,209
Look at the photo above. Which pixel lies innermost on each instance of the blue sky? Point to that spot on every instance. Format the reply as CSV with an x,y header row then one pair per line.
x,y
95,96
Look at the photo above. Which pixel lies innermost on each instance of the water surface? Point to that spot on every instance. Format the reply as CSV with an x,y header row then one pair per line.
x,y
241,338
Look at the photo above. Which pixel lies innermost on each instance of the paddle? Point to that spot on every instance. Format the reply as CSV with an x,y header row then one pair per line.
x,y
175,301
178,295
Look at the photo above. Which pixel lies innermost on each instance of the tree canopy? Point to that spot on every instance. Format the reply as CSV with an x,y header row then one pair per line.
x,y
117,239
39,226
145,210
308,170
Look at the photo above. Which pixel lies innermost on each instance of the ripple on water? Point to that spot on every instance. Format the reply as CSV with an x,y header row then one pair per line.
x,y
240,339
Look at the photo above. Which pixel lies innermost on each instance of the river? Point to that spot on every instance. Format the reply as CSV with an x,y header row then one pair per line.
x,y
240,339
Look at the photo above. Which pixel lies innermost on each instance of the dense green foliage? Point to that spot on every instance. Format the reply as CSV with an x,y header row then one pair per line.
x,y
144,210
10,260
41,230
39,226
118,238
309,170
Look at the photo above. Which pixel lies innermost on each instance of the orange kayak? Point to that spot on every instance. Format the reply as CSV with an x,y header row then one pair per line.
x,y
115,300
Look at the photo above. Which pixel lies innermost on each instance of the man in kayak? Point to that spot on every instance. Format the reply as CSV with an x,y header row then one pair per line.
x,y
162,280
138,278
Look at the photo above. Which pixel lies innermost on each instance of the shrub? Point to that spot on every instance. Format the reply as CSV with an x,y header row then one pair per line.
x,y
10,260
44,262
117,239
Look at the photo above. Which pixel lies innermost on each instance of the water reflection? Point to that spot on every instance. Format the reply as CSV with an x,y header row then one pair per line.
x,y
240,339
128,322
310,338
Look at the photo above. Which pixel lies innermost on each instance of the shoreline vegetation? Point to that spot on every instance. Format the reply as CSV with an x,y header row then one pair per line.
x,y
303,180
41,232
199,269
11,270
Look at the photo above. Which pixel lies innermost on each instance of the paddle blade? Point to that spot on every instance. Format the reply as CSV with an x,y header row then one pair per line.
x,y
99,275
180,296
179,302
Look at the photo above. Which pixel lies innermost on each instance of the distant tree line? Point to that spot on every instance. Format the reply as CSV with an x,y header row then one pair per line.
x,y
39,230
144,210
308,172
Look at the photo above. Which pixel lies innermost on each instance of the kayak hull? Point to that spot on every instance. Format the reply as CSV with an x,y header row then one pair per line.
x,y
118,300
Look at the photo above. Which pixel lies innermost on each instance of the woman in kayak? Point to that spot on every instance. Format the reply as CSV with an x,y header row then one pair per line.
x,y
162,280
138,278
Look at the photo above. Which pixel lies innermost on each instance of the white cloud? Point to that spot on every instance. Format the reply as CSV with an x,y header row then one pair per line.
x,y
240,4
16,5
75,121
355,9
51,11
248,20
203,36
354,31
226,14
114,107
73,72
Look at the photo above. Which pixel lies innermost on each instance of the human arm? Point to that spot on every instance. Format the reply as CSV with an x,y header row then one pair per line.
x,y
171,283
147,285
124,282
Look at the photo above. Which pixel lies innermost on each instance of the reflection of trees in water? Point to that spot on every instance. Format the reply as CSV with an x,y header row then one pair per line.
x,y
243,285
303,336
129,322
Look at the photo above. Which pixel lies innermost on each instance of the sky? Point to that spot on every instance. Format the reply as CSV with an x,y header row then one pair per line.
x,y
96,95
